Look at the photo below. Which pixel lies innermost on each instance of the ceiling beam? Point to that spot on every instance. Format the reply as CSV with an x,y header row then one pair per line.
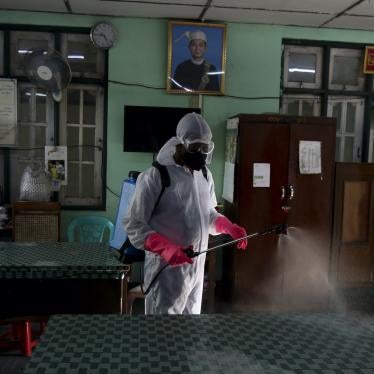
x,y
342,13
68,6
206,7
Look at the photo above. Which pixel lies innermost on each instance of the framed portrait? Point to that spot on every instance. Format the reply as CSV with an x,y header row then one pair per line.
x,y
196,58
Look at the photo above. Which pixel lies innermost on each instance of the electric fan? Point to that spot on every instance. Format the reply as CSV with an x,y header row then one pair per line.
x,y
48,70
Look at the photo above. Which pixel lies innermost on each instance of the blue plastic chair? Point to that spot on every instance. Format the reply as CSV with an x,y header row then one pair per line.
x,y
84,229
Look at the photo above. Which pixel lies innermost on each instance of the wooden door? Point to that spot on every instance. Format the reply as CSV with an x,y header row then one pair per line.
x,y
353,238
307,246
258,271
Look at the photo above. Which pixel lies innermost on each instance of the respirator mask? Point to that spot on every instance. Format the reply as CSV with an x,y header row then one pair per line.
x,y
196,153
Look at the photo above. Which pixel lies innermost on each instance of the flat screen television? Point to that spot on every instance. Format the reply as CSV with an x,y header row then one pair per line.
x,y
147,128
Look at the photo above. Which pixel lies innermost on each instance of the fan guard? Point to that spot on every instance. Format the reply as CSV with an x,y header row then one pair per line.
x,y
48,70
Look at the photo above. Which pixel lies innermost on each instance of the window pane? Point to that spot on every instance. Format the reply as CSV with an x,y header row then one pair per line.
x,y
88,153
348,149
40,135
23,136
73,140
302,68
73,106
22,42
351,117
24,104
88,188
349,111
89,107
83,134
72,188
337,149
337,113
83,57
307,109
41,106
346,70
293,108
1,57
371,137
302,105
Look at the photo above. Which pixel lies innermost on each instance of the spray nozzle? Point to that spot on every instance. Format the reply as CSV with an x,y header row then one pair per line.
x,y
281,229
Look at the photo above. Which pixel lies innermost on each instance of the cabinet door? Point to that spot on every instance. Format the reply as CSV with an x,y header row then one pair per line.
x,y
258,271
307,246
353,239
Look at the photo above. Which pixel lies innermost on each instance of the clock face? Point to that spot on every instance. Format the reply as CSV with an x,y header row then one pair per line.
x,y
103,35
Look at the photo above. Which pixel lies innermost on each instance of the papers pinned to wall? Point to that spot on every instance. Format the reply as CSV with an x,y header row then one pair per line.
x,y
228,182
230,159
8,112
56,163
310,157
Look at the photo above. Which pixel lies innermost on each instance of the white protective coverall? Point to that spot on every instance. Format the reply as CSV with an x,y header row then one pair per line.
x,y
185,215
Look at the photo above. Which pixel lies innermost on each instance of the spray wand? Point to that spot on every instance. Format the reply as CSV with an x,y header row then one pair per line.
x,y
277,229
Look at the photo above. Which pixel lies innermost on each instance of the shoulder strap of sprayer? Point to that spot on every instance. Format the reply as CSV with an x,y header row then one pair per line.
x,y
165,178
205,172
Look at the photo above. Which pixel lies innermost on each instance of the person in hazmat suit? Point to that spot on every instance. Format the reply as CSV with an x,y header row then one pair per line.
x,y
183,218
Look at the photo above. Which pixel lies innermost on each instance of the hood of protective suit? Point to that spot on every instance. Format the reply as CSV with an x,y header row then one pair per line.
x,y
192,127
165,156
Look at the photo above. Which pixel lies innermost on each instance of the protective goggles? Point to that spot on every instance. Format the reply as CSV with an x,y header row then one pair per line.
x,y
198,145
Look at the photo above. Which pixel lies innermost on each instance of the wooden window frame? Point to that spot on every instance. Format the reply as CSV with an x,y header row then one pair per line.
x,y
324,92
10,31
99,133
1,53
301,98
345,52
288,49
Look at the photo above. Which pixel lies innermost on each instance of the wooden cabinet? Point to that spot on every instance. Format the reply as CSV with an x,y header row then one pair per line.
x,y
282,272
36,221
353,239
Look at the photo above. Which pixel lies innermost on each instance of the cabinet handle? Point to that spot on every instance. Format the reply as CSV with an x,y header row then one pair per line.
x,y
371,276
292,192
283,194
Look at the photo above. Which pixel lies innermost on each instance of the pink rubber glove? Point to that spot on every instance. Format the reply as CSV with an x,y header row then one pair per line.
x,y
224,226
173,254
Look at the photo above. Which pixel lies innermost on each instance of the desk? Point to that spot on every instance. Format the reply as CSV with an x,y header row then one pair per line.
x,y
58,277
206,344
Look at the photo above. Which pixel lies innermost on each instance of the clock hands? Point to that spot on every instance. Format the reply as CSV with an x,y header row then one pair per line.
x,y
103,36
108,42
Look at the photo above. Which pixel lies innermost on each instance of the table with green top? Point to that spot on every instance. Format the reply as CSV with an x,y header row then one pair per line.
x,y
60,277
256,343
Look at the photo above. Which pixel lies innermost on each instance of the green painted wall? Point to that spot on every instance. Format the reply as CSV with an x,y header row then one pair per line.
x,y
253,69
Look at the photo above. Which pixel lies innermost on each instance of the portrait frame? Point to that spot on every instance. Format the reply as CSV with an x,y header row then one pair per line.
x,y
184,76
369,60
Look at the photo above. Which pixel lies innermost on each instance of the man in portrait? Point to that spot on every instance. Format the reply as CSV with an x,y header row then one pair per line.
x,y
196,73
